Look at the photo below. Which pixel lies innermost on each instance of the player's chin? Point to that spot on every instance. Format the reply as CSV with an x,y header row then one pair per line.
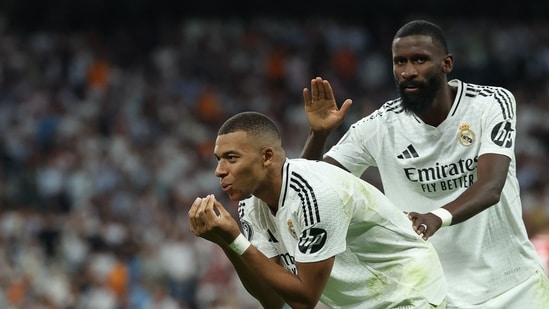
x,y
236,195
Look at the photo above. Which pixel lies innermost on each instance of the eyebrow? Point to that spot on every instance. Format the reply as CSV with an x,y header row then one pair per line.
x,y
226,153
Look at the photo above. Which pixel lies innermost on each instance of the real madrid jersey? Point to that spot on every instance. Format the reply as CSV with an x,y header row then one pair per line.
x,y
324,211
424,167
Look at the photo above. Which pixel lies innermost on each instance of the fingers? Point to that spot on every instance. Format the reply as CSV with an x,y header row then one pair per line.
x,y
320,90
317,87
194,208
196,215
306,96
421,229
194,218
314,89
311,95
417,224
346,106
423,224
222,211
200,213
325,92
411,215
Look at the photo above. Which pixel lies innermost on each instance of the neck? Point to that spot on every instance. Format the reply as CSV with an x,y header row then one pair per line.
x,y
440,108
270,190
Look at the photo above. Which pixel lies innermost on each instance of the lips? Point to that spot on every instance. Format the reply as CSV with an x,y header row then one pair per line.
x,y
225,187
410,87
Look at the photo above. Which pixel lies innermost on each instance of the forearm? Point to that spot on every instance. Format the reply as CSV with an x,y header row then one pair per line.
x,y
477,198
261,291
265,279
474,200
485,192
314,146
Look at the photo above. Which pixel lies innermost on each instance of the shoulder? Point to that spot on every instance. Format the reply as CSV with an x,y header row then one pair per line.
x,y
310,168
485,92
388,112
313,176
498,98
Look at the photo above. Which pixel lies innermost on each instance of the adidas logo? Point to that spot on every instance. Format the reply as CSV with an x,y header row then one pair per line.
x,y
409,152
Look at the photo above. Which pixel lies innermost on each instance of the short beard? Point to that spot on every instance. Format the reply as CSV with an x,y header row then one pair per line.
x,y
420,102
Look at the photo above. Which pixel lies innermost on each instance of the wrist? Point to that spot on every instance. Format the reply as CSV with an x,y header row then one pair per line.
x,y
444,215
240,244
320,133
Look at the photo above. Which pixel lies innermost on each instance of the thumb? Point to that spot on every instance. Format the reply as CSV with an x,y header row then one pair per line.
x,y
412,215
346,106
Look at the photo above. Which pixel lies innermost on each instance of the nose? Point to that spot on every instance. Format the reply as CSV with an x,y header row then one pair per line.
x,y
220,171
409,72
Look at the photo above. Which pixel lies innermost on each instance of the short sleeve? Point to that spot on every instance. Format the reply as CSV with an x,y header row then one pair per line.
x,y
499,124
324,222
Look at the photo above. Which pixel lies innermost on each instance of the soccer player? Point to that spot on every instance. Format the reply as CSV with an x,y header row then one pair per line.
x,y
445,154
316,231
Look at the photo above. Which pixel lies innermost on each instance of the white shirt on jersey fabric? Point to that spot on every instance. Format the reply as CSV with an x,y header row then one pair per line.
x,y
325,211
423,168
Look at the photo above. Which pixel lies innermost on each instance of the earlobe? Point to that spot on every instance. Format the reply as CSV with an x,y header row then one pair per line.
x,y
447,67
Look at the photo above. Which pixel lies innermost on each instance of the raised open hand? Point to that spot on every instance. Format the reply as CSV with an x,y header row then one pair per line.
x,y
321,108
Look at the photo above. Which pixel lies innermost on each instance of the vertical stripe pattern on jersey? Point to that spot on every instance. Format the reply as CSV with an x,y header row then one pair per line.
x,y
500,95
308,198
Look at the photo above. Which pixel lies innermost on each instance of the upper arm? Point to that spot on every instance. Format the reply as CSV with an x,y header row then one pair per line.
x,y
492,173
333,161
356,147
315,275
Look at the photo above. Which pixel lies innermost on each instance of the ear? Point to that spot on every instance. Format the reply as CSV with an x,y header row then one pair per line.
x,y
268,155
448,64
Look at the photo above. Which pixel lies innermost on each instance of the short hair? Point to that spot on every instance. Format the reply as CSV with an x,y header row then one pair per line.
x,y
423,27
253,123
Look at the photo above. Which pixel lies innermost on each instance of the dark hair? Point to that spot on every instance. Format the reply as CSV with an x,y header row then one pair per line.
x,y
253,123
423,27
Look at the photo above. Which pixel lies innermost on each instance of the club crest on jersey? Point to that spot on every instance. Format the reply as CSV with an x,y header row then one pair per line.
x,y
291,228
466,136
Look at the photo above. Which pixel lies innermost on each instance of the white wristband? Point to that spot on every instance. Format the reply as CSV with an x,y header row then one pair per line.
x,y
444,215
240,244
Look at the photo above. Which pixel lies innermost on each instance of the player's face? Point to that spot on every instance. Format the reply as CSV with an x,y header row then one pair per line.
x,y
417,67
240,164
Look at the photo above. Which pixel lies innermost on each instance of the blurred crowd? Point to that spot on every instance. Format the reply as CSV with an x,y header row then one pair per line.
x,y
107,138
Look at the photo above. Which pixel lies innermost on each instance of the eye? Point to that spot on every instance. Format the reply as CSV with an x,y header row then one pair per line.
x,y
232,158
399,62
420,60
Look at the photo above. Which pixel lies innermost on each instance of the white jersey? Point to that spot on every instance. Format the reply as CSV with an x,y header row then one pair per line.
x,y
325,211
424,167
